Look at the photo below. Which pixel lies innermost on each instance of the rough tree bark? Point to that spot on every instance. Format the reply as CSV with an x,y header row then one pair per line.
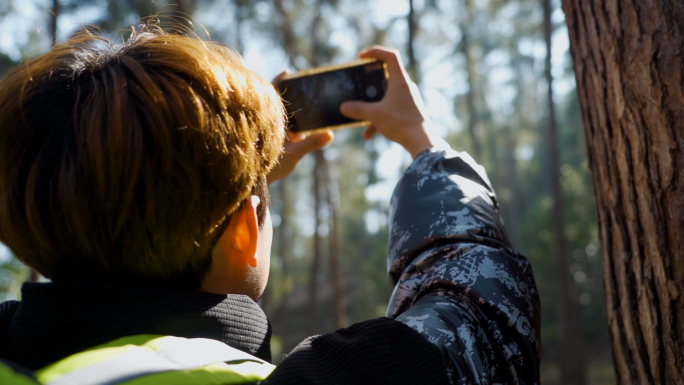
x,y
571,359
628,62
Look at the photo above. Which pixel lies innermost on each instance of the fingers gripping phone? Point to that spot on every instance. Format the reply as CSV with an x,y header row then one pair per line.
x,y
313,97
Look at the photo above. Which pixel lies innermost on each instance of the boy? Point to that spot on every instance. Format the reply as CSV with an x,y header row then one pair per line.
x,y
135,178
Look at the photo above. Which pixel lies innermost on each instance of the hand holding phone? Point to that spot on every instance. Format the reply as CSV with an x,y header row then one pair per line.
x,y
400,116
313,97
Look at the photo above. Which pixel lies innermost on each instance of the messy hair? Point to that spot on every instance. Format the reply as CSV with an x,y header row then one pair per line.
x,y
124,160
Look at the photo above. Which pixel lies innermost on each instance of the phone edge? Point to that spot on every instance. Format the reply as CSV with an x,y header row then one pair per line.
x,y
329,68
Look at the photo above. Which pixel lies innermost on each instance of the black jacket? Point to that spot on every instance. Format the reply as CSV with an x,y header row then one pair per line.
x,y
56,320
464,308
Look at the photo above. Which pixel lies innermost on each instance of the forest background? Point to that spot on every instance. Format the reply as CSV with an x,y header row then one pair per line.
x,y
484,68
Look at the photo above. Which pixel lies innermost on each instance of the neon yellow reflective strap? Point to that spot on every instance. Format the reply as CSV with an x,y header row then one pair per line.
x,y
92,356
152,359
9,376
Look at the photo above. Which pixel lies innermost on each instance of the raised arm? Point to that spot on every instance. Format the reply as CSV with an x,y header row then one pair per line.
x,y
456,279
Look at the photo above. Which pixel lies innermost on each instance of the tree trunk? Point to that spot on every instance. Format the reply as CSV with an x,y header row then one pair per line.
x,y
511,211
335,247
628,62
289,38
319,175
285,234
54,16
470,69
285,229
240,16
317,244
412,65
571,359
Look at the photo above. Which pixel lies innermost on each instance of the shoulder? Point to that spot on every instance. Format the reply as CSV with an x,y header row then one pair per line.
x,y
381,350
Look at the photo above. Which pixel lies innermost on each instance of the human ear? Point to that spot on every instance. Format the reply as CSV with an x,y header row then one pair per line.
x,y
243,233
235,253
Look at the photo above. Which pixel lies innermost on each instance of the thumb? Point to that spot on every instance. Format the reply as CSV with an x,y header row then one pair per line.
x,y
357,110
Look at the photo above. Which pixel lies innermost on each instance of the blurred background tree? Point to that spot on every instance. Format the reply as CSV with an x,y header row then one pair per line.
x,y
485,72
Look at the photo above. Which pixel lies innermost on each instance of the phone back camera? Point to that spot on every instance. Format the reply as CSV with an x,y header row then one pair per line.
x,y
371,92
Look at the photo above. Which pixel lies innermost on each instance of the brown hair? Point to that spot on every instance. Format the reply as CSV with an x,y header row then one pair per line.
x,y
122,161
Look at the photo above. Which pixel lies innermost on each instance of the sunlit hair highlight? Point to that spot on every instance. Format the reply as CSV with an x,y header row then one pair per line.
x,y
122,160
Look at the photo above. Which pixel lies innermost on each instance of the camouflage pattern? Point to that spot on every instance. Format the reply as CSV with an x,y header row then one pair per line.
x,y
457,281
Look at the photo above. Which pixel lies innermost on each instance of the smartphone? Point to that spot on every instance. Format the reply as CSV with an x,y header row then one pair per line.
x,y
313,97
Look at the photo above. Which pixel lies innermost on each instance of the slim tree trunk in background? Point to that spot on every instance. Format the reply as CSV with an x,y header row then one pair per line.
x,y
289,39
523,195
514,206
571,359
470,69
54,16
285,233
413,66
317,244
335,250
240,15
285,228
319,175
628,58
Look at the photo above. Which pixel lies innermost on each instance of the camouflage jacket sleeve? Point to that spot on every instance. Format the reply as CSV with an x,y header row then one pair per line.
x,y
456,279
